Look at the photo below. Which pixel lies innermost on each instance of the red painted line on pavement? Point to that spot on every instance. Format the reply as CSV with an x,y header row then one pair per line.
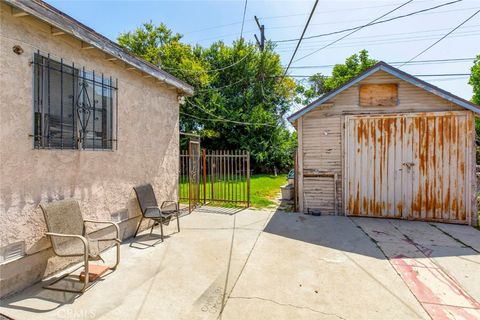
x,y
430,299
442,312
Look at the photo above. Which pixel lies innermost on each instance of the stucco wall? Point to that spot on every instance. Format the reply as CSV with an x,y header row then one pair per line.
x,y
102,181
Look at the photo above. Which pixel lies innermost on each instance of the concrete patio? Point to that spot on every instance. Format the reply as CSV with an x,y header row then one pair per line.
x,y
274,265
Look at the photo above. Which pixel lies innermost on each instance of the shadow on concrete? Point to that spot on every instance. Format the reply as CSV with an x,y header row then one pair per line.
x,y
219,210
145,241
374,237
49,300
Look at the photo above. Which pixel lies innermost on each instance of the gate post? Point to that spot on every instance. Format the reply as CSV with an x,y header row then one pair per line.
x,y
204,172
248,179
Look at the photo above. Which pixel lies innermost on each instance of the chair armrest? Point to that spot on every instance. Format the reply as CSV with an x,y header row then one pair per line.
x,y
159,209
62,235
117,228
151,207
170,202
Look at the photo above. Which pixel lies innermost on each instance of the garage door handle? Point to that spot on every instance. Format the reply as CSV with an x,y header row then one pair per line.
x,y
409,164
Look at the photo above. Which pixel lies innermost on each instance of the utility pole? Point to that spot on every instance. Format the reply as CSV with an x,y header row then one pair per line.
x,y
261,42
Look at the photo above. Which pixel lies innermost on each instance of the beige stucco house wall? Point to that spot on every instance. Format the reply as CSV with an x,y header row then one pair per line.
x,y
102,181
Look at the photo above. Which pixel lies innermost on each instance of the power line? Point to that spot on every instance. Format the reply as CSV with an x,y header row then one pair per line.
x,y
446,35
387,36
442,75
381,42
228,35
210,70
340,10
415,75
225,120
301,37
217,118
360,20
222,87
123,81
432,61
375,23
446,79
288,16
243,20
353,31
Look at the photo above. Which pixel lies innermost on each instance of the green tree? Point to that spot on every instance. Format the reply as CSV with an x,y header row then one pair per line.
x,y
319,84
252,91
148,41
475,80
475,83
234,82
160,46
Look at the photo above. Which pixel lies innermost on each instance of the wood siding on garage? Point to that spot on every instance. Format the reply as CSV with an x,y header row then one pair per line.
x,y
324,153
321,162
411,166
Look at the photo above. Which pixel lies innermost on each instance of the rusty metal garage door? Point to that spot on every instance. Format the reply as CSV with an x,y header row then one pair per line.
x,y
410,166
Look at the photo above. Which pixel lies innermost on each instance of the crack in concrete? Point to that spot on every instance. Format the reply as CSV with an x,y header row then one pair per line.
x,y
448,279
229,265
289,305
375,242
225,301
226,228
458,240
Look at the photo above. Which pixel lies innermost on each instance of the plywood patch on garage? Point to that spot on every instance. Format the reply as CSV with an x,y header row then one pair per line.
x,y
378,95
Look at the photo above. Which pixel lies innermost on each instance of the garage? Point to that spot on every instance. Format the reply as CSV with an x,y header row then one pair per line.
x,y
409,166
387,144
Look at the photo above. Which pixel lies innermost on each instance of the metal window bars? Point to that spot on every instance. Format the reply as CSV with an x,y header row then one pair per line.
x,y
73,108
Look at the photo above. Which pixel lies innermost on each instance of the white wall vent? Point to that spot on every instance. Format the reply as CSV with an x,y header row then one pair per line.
x,y
12,251
116,217
119,216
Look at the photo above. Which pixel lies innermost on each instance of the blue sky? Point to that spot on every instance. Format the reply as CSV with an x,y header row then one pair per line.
x,y
204,22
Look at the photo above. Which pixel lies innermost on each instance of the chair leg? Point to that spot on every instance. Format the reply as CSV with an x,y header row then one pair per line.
x,y
178,222
87,275
138,227
153,226
85,281
117,261
161,230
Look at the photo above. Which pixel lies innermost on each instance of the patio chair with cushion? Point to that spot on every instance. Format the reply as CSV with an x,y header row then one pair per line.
x,y
150,209
67,232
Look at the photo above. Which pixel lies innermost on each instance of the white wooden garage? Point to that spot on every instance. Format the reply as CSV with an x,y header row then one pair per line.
x,y
387,144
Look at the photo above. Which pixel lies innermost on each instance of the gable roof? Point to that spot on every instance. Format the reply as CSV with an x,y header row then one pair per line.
x,y
396,73
69,25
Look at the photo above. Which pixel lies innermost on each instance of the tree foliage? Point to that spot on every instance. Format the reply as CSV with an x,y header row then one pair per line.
x,y
240,96
161,47
475,80
475,83
319,84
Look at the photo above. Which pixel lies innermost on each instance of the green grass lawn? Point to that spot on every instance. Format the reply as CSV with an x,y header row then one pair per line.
x,y
264,189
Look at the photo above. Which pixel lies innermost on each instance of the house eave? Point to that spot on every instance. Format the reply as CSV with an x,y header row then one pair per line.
x,y
67,24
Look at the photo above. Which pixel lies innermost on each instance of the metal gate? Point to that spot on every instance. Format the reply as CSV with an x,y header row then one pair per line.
x,y
193,174
220,177
411,166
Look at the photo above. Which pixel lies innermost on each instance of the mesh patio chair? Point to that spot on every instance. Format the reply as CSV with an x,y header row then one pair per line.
x,y
67,233
150,209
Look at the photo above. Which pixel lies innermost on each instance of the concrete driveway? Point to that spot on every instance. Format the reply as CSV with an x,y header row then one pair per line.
x,y
275,265
342,268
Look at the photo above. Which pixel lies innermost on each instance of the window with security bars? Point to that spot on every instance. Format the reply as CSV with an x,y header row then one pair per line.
x,y
73,108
